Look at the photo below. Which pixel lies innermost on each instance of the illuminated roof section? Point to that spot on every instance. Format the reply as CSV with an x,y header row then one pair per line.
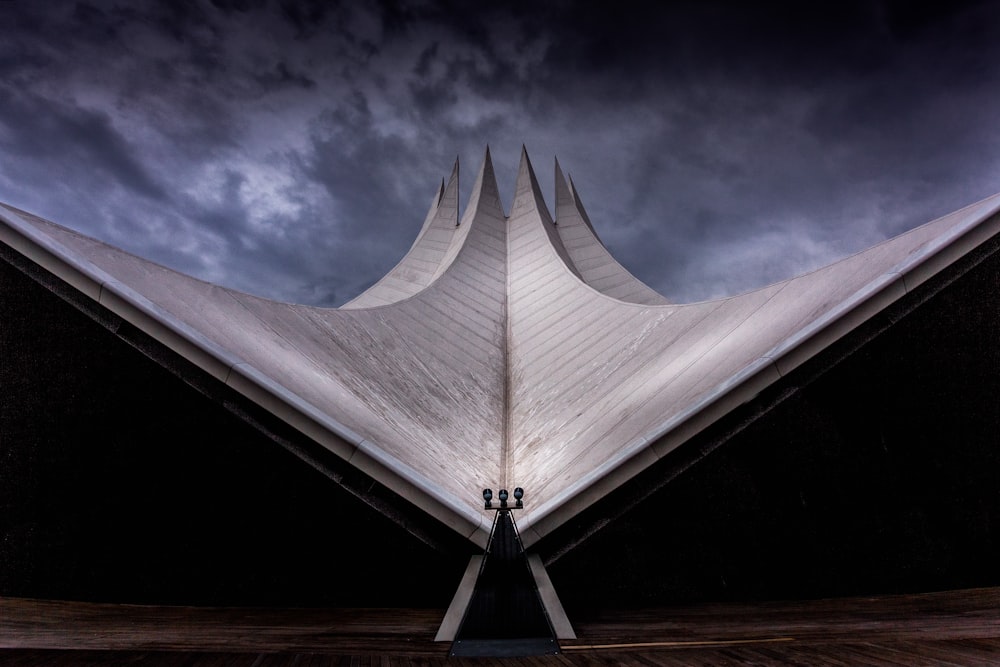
x,y
502,349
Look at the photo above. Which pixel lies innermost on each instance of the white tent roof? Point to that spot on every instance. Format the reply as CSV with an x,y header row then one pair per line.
x,y
503,350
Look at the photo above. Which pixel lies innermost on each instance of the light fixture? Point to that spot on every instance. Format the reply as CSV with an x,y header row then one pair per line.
x,y
503,495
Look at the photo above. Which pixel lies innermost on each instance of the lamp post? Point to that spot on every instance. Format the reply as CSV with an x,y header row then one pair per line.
x,y
505,611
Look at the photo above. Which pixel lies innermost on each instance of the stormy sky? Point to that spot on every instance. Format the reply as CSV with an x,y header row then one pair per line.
x,y
291,149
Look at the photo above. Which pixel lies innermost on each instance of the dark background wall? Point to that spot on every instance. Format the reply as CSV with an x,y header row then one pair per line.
x,y
879,474
121,481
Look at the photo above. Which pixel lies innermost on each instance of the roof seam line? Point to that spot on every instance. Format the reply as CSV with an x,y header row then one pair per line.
x,y
507,413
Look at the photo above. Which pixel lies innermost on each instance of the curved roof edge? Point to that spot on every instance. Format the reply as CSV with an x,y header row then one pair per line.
x,y
596,265
979,222
424,260
100,287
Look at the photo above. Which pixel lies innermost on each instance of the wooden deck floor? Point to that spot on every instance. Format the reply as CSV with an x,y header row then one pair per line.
x,y
950,628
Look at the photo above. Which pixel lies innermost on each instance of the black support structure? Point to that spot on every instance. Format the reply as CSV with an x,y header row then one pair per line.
x,y
505,616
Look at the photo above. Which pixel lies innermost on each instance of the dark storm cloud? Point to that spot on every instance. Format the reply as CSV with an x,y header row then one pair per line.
x,y
775,42
70,132
796,127
282,75
290,148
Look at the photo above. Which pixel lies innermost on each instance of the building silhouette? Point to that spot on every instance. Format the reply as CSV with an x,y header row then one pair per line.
x,y
168,440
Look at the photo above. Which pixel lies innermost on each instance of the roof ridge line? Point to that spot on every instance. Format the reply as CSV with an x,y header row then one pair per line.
x,y
507,384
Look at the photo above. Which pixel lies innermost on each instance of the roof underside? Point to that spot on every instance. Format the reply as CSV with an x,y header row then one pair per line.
x,y
502,350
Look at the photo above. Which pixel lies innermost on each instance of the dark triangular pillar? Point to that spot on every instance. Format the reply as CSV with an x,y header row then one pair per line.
x,y
505,616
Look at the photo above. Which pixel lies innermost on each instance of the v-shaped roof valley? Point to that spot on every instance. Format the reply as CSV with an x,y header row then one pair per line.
x,y
502,350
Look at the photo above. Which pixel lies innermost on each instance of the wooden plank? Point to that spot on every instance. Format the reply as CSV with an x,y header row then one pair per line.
x,y
950,628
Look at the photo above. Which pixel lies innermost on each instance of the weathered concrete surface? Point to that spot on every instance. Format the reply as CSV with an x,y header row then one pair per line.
x,y
508,350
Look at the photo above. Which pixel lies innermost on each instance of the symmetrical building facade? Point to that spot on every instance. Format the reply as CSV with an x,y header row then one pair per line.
x,y
810,437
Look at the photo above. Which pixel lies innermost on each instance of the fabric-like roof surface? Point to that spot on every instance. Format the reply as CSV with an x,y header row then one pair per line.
x,y
502,350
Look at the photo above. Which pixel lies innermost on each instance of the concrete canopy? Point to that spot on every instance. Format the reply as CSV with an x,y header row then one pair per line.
x,y
503,350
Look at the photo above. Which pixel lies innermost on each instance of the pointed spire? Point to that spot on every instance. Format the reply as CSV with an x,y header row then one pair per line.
x,y
433,210
416,269
489,183
454,174
528,195
485,193
579,207
448,205
565,203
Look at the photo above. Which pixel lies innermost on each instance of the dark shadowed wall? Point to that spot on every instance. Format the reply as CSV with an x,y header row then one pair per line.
x,y
121,481
878,472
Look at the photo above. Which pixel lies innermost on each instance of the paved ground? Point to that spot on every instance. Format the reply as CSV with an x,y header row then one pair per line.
x,y
950,628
